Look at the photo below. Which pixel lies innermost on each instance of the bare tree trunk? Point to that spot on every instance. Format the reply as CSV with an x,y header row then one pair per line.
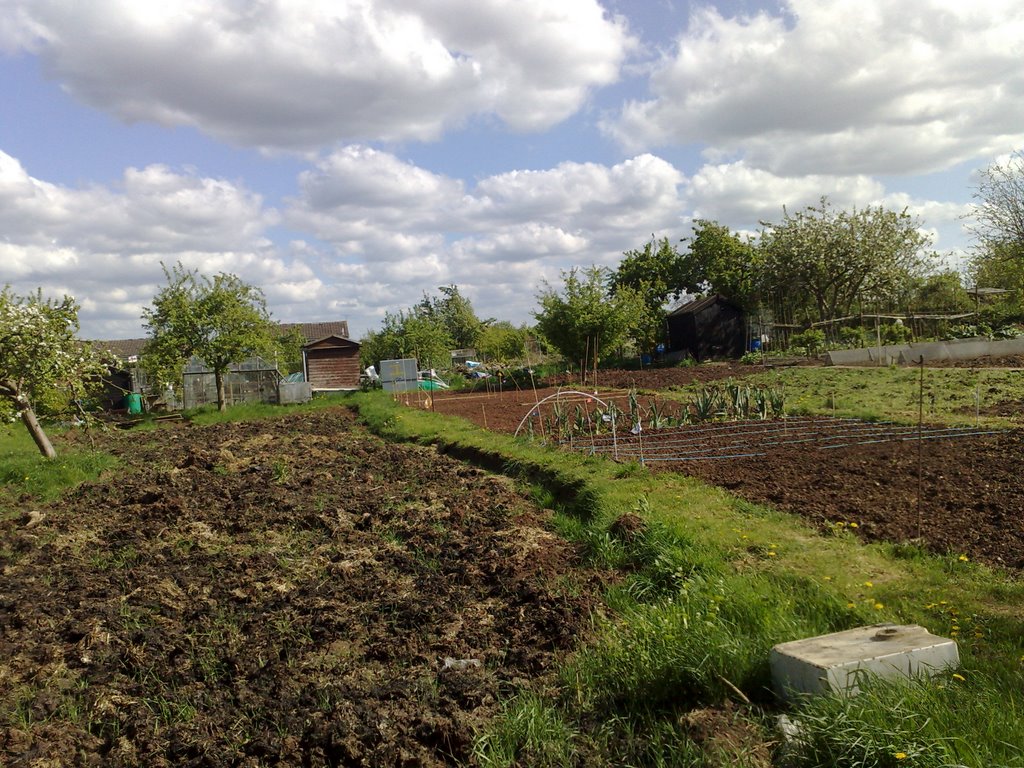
x,y
28,418
222,404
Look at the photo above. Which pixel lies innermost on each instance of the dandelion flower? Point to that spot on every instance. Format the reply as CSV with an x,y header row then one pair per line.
x,y
962,558
771,553
879,606
854,525
959,677
900,755
868,584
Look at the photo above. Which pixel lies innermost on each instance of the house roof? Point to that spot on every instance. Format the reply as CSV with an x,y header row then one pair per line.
x,y
121,348
315,331
344,341
697,305
126,348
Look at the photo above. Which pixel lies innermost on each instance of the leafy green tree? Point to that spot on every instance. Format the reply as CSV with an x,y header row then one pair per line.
x,y
654,273
455,312
220,321
835,257
995,267
999,212
416,332
502,342
40,356
584,321
719,261
939,292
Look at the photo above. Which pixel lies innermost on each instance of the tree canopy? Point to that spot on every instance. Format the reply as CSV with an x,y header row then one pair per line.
x,y
40,357
999,212
585,321
220,320
720,261
833,257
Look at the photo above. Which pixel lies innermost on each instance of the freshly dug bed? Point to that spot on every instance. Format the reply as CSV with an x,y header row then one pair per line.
x,y
290,592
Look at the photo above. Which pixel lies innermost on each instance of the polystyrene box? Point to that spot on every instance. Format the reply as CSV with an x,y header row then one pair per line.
x,y
838,661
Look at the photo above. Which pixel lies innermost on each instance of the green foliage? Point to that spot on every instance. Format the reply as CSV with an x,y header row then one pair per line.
x,y
221,321
941,292
40,358
811,341
502,342
833,258
427,331
655,273
454,313
289,351
896,333
413,333
719,261
970,719
24,471
999,266
585,317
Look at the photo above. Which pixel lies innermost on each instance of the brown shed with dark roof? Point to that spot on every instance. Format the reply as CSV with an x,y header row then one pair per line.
x,y
331,363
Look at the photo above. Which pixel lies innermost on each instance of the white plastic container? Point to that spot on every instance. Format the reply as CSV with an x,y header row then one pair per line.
x,y
837,662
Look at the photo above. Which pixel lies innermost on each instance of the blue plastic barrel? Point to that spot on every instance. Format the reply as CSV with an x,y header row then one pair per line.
x,y
755,345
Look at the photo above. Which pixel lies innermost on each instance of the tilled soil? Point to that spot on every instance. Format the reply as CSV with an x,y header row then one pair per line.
x,y
972,499
289,592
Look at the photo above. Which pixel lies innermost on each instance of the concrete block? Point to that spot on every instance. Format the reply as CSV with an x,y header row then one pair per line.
x,y
837,662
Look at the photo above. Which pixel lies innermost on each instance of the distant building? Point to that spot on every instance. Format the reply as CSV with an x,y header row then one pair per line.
x,y
707,328
330,362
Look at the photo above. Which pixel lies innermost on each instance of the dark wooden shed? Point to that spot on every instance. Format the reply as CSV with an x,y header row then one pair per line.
x,y
331,363
708,328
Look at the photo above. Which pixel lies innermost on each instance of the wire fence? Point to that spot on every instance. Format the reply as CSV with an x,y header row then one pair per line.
x,y
745,439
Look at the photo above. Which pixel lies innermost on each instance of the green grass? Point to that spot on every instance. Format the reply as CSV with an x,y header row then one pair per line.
x,y
24,471
950,395
706,589
703,591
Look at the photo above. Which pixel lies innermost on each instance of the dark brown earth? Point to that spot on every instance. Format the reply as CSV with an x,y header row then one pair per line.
x,y
972,500
290,592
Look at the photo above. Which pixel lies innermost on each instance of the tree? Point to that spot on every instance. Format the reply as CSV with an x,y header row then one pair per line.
x,y
502,342
585,319
220,321
834,257
455,313
39,355
417,332
720,261
999,212
654,273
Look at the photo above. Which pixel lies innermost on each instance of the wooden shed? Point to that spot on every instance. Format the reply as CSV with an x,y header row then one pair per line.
x,y
331,363
708,328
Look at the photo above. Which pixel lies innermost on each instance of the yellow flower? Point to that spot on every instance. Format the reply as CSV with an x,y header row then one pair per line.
x,y
879,606
827,578
771,553
962,558
900,755
868,584
850,605
854,525
961,678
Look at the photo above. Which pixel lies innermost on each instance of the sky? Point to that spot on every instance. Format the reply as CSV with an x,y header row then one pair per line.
x,y
348,156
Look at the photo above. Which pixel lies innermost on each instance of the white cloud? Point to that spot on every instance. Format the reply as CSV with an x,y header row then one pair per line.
x,y
839,87
374,232
300,74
